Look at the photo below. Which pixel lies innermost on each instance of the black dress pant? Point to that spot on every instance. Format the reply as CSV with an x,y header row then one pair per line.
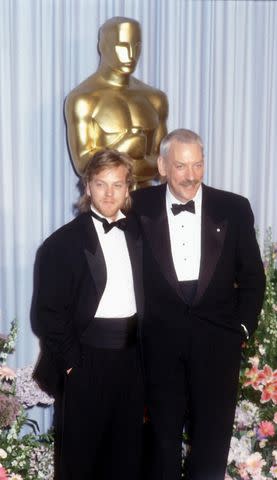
x,y
195,386
99,419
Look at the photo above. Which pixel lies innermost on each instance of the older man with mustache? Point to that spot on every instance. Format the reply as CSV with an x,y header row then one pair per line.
x,y
204,286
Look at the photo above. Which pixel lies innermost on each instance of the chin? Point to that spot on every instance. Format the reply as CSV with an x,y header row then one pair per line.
x,y
109,213
189,195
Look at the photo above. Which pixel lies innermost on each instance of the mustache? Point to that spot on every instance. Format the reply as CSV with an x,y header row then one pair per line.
x,y
190,183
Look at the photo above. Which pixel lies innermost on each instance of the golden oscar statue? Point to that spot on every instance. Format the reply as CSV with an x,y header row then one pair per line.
x,y
112,109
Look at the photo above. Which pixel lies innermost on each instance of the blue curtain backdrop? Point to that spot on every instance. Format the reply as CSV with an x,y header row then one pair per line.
x,y
217,63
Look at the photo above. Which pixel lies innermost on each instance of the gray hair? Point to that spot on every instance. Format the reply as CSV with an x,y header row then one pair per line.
x,y
180,135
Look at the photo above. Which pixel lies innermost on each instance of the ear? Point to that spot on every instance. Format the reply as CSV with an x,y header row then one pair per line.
x,y
87,190
161,166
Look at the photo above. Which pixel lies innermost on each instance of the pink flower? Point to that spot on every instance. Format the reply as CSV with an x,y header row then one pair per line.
x,y
242,471
3,474
7,373
266,429
273,471
269,374
9,410
254,361
269,391
264,380
254,463
256,377
275,417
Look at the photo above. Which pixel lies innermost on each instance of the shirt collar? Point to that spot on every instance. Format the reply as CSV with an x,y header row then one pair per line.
x,y
170,198
118,217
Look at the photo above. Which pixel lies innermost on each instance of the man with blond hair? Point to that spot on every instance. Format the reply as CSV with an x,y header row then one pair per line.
x,y
86,312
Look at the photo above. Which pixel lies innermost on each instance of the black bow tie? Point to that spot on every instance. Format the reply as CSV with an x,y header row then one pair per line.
x,y
180,207
121,223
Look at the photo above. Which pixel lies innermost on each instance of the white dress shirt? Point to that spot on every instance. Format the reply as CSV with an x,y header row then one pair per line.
x,y
185,237
118,299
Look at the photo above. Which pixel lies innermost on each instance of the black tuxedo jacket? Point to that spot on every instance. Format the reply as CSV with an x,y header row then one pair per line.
x,y
231,279
70,278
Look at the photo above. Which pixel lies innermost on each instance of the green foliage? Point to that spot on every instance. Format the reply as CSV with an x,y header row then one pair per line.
x,y
253,452
264,342
22,456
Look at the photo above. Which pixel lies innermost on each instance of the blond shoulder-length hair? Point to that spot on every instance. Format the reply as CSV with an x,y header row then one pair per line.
x,y
101,160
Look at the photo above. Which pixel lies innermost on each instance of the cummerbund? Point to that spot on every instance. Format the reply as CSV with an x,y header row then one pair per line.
x,y
114,333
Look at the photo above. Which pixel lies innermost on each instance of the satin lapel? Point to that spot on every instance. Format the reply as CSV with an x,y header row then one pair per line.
x,y
94,256
134,244
213,232
157,235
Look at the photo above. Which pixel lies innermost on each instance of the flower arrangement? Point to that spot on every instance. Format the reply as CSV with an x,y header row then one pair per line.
x,y
253,450
22,456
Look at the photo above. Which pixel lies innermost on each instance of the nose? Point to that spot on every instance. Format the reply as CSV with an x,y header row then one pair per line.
x,y
109,191
190,172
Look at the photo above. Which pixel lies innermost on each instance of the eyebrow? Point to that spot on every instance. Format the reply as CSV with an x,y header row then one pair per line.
x,y
113,183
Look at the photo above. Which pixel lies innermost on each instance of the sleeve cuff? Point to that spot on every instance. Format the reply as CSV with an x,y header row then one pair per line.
x,y
245,331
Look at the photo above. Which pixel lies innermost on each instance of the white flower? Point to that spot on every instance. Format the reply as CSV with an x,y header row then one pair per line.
x,y
254,464
27,390
274,454
247,414
239,450
3,453
15,476
254,361
261,349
